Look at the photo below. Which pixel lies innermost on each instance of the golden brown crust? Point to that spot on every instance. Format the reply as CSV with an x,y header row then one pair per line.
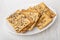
x,y
46,10
43,21
50,13
26,28
32,16
18,21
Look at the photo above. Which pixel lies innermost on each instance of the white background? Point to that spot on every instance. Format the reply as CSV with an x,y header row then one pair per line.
x,y
6,8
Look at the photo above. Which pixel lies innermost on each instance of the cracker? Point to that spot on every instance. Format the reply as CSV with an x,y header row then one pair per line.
x,y
31,28
18,21
32,16
48,11
26,28
43,21
34,10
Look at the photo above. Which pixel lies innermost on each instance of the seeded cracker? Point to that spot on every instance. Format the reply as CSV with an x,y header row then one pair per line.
x,y
32,16
43,21
18,21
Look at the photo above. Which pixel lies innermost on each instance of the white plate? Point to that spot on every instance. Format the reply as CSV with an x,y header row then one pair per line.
x,y
34,31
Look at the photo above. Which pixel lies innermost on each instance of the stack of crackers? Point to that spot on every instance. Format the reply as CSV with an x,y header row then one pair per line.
x,y
25,20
